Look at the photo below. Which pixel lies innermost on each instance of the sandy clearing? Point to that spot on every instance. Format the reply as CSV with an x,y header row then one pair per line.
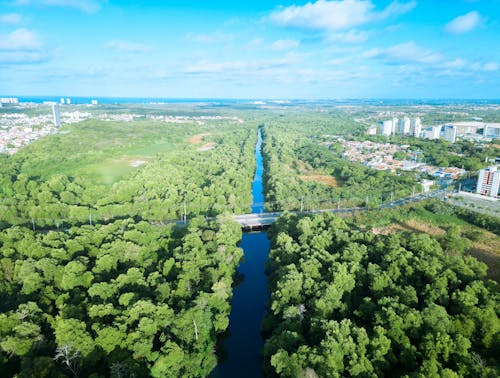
x,y
196,139
206,147
322,179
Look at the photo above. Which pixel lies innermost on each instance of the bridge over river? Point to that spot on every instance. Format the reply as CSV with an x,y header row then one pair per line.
x,y
257,221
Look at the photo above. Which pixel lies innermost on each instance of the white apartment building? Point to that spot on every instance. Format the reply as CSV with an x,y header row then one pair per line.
x,y
395,123
55,114
450,133
488,181
492,130
404,126
432,132
9,100
416,127
387,128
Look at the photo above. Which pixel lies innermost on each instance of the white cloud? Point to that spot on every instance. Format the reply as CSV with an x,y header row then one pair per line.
x,y
20,39
339,61
464,24
128,47
21,47
491,66
205,67
396,8
87,73
404,53
256,42
285,44
411,59
454,64
351,36
87,6
10,18
486,67
209,38
22,57
336,15
241,67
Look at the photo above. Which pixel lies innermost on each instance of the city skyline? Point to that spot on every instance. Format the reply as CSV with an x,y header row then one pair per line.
x,y
258,49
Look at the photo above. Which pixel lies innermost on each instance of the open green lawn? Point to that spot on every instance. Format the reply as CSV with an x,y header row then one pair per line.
x,y
104,152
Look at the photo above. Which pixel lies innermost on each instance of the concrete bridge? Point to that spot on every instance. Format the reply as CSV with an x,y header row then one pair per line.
x,y
263,220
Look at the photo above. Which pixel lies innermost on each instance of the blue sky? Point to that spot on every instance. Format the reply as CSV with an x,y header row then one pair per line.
x,y
251,49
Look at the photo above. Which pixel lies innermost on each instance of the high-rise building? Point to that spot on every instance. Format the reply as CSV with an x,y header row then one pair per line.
x,y
68,101
416,127
395,124
488,181
404,126
492,131
387,128
9,100
61,101
55,113
436,132
450,133
432,132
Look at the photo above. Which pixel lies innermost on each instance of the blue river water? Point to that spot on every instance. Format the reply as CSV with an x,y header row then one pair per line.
x,y
244,344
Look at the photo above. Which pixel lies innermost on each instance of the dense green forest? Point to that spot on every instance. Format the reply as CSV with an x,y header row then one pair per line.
x,y
347,302
297,165
92,283
121,300
94,280
96,171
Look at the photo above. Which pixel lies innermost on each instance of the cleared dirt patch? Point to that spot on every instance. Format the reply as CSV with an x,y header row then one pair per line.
x,y
322,179
206,147
137,163
489,258
196,139
308,173
303,167
418,226
487,250
134,163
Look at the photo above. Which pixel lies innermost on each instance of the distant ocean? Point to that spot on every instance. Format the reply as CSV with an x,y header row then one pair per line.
x,y
118,100
146,100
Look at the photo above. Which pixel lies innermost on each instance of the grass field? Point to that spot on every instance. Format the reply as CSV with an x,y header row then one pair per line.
x,y
104,151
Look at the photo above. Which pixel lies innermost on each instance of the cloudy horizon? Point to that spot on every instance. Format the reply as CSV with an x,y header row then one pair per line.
x,y
258,49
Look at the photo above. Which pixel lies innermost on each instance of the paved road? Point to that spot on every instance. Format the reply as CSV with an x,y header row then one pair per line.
x,y
266,219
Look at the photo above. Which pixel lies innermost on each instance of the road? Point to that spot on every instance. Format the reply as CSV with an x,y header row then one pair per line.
x,y
251,221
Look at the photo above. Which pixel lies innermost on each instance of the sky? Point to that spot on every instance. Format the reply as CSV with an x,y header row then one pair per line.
x,y
251,49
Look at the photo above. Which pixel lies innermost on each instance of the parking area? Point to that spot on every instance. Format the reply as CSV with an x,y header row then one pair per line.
x,y
476,202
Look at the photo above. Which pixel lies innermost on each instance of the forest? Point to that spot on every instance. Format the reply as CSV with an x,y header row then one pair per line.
x,y
301,172
118,255
85,173
347,302
95,279
119,300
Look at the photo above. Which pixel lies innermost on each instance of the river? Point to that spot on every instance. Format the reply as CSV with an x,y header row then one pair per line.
x,y
244,344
